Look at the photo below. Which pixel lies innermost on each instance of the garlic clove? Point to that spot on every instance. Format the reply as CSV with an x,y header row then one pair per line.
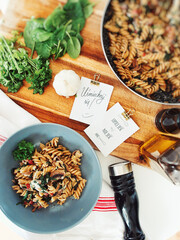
x,y
66,83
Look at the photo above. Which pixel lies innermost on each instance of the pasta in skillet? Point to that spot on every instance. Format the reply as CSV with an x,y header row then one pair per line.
x,y
53,174
144,43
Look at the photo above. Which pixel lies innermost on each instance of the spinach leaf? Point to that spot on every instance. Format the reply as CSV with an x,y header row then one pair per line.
x,y
43,49
73,47
61,33
73,9
30,26
55,19
88,9
80,38
49,36
40,35
78,24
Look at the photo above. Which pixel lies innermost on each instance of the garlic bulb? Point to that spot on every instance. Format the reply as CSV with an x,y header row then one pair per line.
x,y
66,83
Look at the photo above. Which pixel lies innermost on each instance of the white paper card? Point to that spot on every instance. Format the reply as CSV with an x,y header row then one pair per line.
x,y
91,101
111,129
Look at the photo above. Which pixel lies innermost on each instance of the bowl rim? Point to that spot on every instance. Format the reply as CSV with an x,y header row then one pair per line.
x,y
107,60
46,231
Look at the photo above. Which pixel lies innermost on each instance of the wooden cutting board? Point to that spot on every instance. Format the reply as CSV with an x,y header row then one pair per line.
x,y
51,107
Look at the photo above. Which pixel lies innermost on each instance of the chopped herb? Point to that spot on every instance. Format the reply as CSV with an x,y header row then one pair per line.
x,y
130,20
147,8
167,56
23,151
18,203
25,196
16,65
46,198
139,32
44,180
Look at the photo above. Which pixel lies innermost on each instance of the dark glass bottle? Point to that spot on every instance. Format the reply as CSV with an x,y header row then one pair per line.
x,y
126,199
168,120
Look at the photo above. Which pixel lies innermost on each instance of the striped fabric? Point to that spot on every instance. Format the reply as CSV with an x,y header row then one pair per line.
x,y
2,139
105,204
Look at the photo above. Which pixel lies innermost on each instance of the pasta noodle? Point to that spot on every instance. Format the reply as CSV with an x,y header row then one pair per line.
x,y
53,174
144,43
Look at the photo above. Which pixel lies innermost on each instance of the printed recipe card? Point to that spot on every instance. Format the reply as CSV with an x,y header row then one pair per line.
x,y
111,129
91,101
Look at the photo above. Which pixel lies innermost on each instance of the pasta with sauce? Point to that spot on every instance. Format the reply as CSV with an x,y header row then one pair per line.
x,y
53,174
144,44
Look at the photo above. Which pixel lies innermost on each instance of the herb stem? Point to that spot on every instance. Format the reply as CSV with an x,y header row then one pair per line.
x,y
32,51
70,21
68,34
9,50
32,63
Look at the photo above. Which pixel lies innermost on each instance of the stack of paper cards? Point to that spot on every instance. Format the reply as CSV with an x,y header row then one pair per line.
x,y
108,129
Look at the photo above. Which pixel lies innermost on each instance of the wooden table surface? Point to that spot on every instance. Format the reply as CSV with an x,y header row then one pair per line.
x,y
51,107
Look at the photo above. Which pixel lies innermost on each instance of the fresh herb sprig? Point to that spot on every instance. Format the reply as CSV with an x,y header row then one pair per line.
x,y
60,31
39,75
23,151
16,65
13,65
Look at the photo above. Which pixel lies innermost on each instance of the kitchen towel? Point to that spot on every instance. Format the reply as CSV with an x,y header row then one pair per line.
x,y
158,198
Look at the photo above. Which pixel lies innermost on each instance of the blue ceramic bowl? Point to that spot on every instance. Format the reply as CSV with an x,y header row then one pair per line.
x,y
55,218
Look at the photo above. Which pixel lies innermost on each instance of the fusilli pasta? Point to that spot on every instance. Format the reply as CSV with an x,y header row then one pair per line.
x,y
53,174
144,43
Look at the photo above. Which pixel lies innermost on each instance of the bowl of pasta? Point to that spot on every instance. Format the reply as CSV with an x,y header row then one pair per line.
x,y
141,43
50,178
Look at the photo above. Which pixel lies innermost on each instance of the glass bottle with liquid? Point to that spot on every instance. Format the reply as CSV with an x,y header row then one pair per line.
x,y
168,120
162,152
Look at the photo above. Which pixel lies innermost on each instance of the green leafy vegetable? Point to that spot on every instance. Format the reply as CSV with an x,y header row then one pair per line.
x,y
13,65
167,56
60,31
43,49
78,24
23,151
39,78
78,35
73,9
40,35
55,19
30,26
73,47
25,196
88,9
16,65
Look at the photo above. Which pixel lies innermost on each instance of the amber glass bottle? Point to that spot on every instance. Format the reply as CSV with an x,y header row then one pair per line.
x,y
164,151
